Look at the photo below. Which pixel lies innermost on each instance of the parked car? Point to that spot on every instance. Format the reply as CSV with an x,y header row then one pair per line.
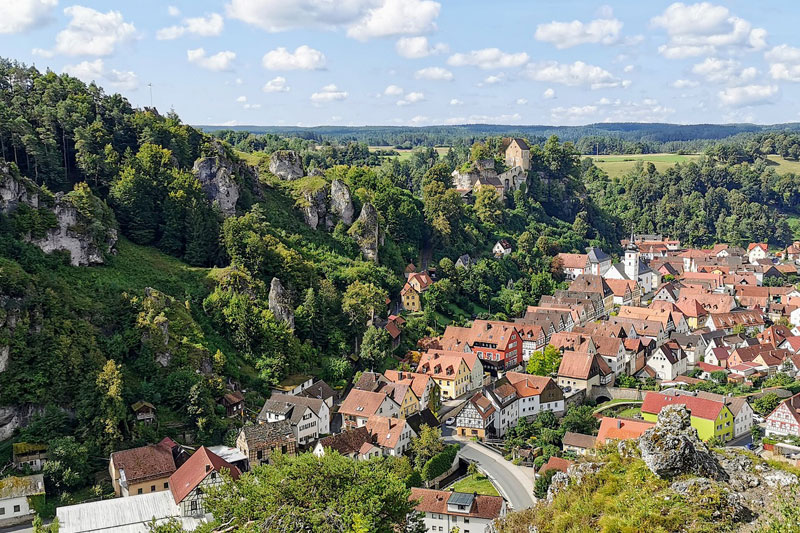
x,y
450,421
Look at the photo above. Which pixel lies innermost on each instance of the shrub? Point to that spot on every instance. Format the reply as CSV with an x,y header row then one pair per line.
x,y
439,463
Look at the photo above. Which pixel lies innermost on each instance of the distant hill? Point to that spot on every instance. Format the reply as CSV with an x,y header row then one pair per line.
x,y
629,131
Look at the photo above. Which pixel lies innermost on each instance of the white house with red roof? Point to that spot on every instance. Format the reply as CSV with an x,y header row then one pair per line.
x,y
785,419
190,482
756,251
442,510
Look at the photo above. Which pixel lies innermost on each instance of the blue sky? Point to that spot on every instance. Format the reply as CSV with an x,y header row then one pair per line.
x,y
421,62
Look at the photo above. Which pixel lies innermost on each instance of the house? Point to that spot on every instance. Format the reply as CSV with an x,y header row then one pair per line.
x,y
191,481
578,443
258,442
456,373
310,417
633,268
706,369
593,283
15,494
393,435
740,408
613,429
356,443
599,261
668,361
144,412
232,455
144,469
127,515
518,154
394,327
501,248
533,339
359,405
442,510
626,291
405,397
28,455
321,391
233,402
497,344
411,293
582,371
573,265
536,394
668,292
612,350
785,419
710,418
294,384
554,463
422,385
477,418
503,396
463,261
694,313
792,252
756,251
749,321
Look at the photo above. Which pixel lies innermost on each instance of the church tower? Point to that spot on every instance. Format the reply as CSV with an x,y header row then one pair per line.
x,y
632,260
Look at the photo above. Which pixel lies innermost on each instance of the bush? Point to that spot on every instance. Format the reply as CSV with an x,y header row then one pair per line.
x,y
543,483
440,463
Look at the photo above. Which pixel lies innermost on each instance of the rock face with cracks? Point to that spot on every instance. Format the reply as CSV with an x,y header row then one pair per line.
x,y
672,448
366,232
280,302
286,164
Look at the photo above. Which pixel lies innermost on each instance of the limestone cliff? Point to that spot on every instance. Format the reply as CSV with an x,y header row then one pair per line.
x,y
366,232
280,303
315,206
221,177
77,222
286,164
324,206
341,202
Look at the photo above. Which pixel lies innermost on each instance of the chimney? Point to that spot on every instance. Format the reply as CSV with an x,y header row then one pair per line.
x,y
619,423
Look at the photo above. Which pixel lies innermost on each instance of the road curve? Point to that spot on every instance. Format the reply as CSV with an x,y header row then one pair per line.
x,y
515,482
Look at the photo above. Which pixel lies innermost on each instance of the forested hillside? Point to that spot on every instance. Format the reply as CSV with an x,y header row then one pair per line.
x,y
186,233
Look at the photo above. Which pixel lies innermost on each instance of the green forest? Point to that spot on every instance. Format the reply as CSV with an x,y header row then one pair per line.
x,y
179,307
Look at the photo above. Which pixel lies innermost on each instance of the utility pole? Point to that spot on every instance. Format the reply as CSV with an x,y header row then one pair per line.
x,y
150,85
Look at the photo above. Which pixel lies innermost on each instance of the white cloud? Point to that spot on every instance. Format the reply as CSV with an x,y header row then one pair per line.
x,y
89,71
19,15
748,95
613,110
417,47
393,90
397,17
488,58
252,106
238,81
303,58
456,101
726,71
569,34
784,63
573,113
628,68
363,19
485,119
173,11
548,94
208,26
494,79
704,28
684,84
241,99
91,33
574,74
522,101
434,73
220,61
276,85
411,98
329,93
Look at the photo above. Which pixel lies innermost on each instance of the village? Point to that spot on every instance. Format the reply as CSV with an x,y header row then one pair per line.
x,y
715,330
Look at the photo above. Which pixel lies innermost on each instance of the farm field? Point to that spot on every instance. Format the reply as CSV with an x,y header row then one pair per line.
x,y
784,165
406,153
618,165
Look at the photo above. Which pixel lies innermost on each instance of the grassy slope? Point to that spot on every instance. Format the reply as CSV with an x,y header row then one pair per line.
x,y
476,483
617,165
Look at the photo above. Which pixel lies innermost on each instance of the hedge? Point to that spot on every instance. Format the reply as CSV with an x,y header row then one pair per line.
x,y
440,463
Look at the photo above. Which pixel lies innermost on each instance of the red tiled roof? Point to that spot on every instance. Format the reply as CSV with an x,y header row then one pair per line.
x,y
621,429
435,501
699,407
145,463
573,260
362,403
195,469
555,463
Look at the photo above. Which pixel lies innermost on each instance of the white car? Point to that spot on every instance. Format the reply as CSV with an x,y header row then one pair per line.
x,y
450,421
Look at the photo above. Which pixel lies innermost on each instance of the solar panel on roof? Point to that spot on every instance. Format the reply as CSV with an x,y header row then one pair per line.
x,y
461,498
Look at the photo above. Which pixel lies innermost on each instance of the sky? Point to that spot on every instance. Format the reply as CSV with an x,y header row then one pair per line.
x,y
424,62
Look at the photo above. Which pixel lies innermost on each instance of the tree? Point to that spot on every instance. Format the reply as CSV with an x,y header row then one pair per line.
x,y
580,419
487,205
376,346
542,484
427,444
324,494
766,403
112,406
544,362
360,302
67,465
720,376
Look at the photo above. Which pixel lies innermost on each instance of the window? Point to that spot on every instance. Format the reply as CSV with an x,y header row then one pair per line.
x,y
152,488
213,475
193,505
139,491
259,454
16,508
2,511
166,486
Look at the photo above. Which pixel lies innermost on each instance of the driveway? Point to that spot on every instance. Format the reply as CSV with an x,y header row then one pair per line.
x,y
514,482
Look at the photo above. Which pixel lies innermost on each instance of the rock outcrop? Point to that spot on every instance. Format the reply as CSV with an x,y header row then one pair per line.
x,y
366,232
315,207
672,448
14,417
218,178
72,234
286,164
280,302
77,222
341,202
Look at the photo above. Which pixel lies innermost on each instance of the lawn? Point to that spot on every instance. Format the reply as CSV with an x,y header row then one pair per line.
x,y
609,403
618,165
784,165
476,483
631,412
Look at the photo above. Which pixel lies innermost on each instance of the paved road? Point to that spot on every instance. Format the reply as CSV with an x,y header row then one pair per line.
x,y
515,482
